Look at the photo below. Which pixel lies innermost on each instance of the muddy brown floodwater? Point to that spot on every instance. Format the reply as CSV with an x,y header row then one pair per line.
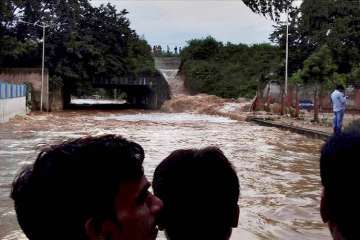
x,y
278,171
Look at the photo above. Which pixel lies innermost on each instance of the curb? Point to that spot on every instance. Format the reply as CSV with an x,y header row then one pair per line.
x,y
305,131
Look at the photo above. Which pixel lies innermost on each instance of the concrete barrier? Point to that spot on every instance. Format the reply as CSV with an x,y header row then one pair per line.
x,y
11,107
32,77
12,100
305,131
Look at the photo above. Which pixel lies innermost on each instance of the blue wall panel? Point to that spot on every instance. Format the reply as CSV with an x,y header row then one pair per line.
x,y
6,90
2,90
9,90
13,90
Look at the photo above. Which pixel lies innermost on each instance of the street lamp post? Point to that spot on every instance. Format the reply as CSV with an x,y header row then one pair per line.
x,y
42,71
284,93
43,26
287,52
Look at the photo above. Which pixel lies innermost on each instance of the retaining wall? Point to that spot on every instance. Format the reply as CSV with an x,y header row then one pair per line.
x,y
31,76
12,100
307,93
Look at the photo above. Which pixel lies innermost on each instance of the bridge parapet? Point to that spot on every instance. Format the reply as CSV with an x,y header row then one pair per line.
x,y
124,81
144,91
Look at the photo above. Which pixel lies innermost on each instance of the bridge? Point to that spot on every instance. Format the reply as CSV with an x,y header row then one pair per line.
x,y
146,91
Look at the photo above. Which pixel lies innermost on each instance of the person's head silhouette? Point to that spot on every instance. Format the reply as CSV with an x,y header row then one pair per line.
x,y
339,169
200,191
86,189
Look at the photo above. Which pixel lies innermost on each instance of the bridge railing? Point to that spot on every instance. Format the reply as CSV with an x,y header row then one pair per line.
x,y
124,81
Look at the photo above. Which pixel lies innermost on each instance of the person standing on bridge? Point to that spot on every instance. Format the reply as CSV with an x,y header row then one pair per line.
x,y
338,101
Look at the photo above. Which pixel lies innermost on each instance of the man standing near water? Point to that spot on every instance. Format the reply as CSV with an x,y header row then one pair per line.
x,y
91,188
338,101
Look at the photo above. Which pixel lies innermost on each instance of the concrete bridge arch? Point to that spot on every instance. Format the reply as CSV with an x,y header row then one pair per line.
x,y
145,91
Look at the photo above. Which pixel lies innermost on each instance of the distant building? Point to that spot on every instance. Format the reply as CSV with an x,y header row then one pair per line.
x,y
274,89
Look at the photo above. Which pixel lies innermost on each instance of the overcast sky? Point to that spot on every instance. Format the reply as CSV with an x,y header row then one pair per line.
x,y
172,23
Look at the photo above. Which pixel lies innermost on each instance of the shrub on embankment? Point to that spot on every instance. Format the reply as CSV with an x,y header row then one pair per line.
x,y
230,70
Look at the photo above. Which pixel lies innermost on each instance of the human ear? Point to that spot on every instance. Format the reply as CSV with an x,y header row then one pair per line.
x,y
235,220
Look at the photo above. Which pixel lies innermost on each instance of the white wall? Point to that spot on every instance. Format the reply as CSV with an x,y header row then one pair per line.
x,y
275,91
11,107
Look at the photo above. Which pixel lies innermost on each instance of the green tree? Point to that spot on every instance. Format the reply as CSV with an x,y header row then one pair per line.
x,y
296,80
299,49
271,8
316,23
201,49
319,67
335,23
319,70
355,75
83,43
229,70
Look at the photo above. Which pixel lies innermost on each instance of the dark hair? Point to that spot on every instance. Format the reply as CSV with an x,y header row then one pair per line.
x,y
340,87
72,182
200,191
339,171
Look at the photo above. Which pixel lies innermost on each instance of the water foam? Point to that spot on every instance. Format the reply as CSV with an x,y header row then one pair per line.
x,y
168,117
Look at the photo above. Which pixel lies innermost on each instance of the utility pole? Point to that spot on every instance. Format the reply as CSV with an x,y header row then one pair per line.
x,y
42,71
43,26
287,52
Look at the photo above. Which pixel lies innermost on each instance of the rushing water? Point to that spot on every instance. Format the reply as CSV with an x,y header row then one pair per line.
x,y
278,171
174,80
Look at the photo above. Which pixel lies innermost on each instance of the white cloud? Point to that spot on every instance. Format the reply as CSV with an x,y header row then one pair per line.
x,y
174,22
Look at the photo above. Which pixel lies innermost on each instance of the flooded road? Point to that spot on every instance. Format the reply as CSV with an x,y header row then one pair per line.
x,y
278,170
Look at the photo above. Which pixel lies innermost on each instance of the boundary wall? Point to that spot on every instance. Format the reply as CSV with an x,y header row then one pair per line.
x,y
32,77
12,100
273,95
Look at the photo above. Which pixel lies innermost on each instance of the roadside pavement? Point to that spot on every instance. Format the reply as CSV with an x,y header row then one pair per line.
x,y
304,124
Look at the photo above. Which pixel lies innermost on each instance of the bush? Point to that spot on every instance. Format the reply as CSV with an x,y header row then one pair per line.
x,y
228,71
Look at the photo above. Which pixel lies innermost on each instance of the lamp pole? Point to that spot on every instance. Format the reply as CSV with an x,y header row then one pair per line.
x,y
42,70
287,52
43,26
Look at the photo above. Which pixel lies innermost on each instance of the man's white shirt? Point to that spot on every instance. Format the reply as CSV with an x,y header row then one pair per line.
x,y
338,100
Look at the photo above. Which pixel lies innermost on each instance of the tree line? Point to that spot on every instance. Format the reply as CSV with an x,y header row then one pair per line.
x,y
228,70
83,42
324,50
324,42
